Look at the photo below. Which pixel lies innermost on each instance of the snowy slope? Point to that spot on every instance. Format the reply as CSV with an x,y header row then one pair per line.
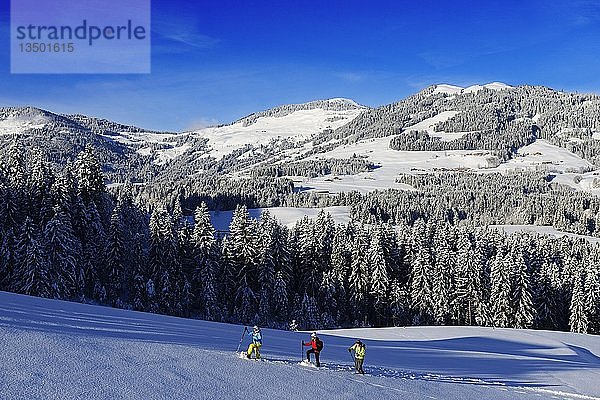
x,y
55,349
541,154
447,89
491,86
587,182
168,149
295,126
392,162
16,125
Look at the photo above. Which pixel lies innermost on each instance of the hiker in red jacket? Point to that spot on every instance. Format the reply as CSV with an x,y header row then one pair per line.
x,y
316,346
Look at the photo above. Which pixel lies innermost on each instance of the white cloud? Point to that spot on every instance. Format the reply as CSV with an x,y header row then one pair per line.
x,y
200,123
349,76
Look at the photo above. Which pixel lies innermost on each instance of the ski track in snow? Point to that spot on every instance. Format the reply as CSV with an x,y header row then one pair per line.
x,y
59,350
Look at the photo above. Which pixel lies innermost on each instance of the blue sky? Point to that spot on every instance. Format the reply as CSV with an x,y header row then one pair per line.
x,y
215,61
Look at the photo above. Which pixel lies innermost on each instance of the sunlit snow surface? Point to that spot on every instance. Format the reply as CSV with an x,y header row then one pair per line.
x,y
295,126
285,215
57,350
454,90
539,155
16,125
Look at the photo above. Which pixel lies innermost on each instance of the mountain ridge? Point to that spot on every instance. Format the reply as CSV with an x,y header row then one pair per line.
x,y
494,117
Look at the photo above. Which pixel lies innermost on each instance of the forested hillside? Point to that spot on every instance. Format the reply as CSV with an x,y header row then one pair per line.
x,y
64,236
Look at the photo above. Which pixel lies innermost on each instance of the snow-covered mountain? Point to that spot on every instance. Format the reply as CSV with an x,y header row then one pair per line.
x,y
126,152
56,349
338,145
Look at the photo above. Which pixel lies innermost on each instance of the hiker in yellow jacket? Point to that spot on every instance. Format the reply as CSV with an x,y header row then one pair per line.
x,y
359,349
256,342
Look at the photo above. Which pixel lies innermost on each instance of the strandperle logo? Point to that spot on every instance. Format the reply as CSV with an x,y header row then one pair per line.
x,y
91,33
88,36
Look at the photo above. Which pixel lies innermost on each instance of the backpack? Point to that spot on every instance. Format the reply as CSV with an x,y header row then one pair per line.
x,y
319,343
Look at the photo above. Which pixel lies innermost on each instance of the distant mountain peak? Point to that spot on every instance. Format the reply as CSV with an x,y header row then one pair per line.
x,y
343,100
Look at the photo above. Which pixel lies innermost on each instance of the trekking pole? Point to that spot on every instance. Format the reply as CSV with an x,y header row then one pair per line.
x,y
301,350
241,339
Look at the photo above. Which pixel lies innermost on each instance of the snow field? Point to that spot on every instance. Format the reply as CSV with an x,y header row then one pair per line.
x,y
55,349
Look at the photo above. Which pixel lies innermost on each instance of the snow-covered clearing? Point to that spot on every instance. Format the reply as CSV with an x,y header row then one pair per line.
x,y
447,89
491,86
169,150
55,349
392,163
129,138
542,154
429,124
285,215
163,156
587,182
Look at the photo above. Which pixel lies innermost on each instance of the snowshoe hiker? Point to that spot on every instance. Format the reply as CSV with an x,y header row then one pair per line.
x,y
294,326
316,345
359,349
256,342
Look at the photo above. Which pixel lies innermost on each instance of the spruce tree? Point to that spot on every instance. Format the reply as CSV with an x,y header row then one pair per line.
x,y
359,275
244,253
501,290
310,313
468,283
592,291
421,291
329,305
163,261
7,257
115,262
521,293
280,299
578,320
90,180
32,275
379,277
62,248
443,271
